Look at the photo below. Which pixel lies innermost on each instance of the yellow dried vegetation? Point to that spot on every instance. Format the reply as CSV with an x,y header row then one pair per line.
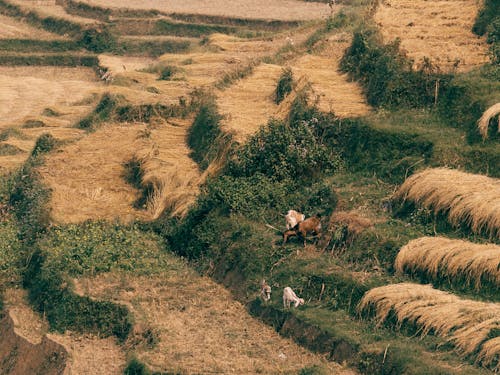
x,y
248,104
173,178
256,9
48,8
14,29
466,198
484,122
199,327
471,326
440,30
331,90
443,257
26,91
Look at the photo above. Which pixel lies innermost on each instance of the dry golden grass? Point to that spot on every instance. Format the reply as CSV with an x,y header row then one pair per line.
x,y
441,257
13,29
466,198
257,9
86,177
440,30
331,89
87,354
200,328
167,167
48,8
484,122
470,325
248,104
26,91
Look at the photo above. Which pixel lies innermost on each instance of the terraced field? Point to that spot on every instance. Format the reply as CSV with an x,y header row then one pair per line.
x,y
137,240
438,30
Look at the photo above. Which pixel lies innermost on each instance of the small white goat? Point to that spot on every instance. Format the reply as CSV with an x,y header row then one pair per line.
x,y
290,296
293,218
265,291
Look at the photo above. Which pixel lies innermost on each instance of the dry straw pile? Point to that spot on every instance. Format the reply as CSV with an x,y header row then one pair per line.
x,y
467,198
440,257
484,122
471,326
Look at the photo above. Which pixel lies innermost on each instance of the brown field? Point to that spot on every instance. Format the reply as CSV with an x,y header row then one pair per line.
x,y
441,257
50,9
84,355
13,29
249,104
257,9
440,30
330,89
200,328
466,198
469,325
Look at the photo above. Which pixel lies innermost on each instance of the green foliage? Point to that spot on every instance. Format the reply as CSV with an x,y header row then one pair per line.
x,y
387,76
167,73
284,86
94,247
483,160
56,25
205,137
165,27
97,41
282,151
45,143
151,47
32,45
103,112
49,60
10,253
136,367
86,10
486,16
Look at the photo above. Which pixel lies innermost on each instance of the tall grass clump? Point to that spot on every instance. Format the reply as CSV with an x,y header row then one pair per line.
x,y
466,199
458,262
284,86
471,326
103,112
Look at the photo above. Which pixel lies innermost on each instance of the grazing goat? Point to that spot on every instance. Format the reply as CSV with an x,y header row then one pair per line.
x,y
265,291
310,225
290,296
293,218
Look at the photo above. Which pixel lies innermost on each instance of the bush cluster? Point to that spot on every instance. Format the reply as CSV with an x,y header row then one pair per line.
x,y
284,86
488,22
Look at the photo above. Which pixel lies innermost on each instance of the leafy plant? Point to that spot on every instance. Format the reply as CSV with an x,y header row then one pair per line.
x,y
284,86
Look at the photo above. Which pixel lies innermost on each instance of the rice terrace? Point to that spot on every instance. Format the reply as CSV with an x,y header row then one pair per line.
x,y
303,187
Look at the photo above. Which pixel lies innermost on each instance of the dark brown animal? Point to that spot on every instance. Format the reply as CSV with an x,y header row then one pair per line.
x,y
311,225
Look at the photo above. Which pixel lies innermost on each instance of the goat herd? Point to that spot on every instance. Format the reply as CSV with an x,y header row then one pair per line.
x,y
296,225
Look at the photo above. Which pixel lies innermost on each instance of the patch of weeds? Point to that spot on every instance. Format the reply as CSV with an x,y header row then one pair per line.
x,y
284,86
7,149
49,112
167,73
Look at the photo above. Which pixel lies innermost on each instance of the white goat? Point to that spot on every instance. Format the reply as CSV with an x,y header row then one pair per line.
x,y
265,291
293,218
290,296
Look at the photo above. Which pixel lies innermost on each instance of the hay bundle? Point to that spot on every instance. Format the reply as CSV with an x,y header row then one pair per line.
x,y
471,326
467,198
440,257
345,226
484,122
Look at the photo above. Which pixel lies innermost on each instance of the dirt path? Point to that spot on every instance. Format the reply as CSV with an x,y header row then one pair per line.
x,y
199,328
440,30
258,9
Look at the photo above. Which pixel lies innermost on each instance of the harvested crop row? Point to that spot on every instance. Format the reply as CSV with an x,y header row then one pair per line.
x,y
466,198
440,257
470,325
14,29
439,30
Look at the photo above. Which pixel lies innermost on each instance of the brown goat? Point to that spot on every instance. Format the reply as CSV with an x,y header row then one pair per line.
x,y
309,225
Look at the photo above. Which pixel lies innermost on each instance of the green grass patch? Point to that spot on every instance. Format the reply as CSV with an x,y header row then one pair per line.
x,y
151,48
49,60
32,45
85,10
103,112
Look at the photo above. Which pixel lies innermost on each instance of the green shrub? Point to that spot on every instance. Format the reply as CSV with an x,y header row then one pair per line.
x,y
486,16
284,86
167,73
97,41
282,151
95,247
10,253
103,112
136,367
45,143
